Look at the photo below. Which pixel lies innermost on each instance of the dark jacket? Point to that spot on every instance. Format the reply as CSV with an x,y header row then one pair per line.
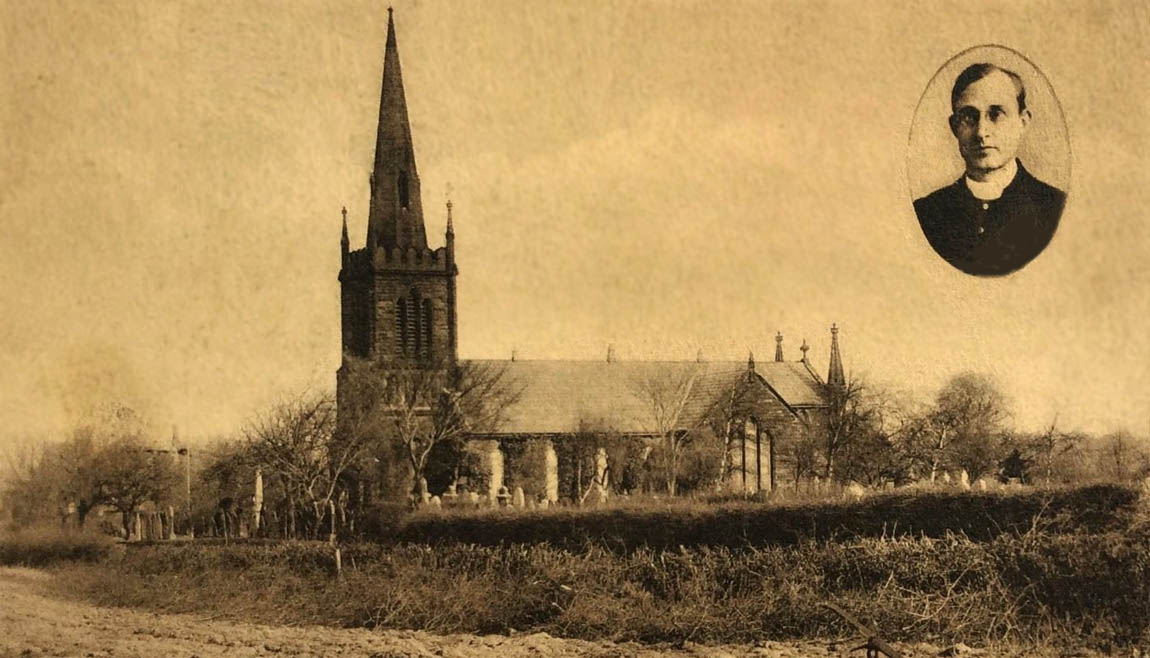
x,y
991,238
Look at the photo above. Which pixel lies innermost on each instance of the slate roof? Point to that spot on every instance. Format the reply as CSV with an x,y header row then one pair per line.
x,y
557,397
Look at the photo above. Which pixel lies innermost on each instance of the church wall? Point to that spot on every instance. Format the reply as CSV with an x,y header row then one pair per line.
x,y
775,421
353,315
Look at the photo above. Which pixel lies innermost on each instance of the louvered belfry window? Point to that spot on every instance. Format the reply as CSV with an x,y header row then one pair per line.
x,y
413,323
401,323
401,185
426,329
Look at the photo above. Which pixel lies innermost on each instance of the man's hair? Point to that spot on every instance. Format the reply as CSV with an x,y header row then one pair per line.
x,y
976,72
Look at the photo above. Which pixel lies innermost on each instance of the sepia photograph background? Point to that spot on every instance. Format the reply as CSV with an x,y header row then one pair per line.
x,y
667,178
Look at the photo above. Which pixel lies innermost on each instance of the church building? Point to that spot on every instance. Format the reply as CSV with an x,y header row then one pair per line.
x,y
398,311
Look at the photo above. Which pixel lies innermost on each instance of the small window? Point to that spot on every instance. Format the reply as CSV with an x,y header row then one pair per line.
x,y
412,346
426,329
401,319
401,185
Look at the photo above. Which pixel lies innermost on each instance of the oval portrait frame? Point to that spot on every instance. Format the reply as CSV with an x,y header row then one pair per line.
x,y
933,161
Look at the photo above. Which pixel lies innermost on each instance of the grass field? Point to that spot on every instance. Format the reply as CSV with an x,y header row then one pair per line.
x,y
1073,570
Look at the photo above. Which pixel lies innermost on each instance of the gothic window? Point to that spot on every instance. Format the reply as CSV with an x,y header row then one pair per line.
x,y
426,329
401,323
401,185
413,345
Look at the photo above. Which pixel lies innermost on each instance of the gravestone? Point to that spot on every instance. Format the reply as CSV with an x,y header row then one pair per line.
x,y
855,491
517,498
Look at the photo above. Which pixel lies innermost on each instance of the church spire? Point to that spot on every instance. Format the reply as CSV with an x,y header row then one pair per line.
x,y
835,373
396,215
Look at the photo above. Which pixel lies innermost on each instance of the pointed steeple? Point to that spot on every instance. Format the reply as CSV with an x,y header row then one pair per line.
x,y
396,214
835,373
779,346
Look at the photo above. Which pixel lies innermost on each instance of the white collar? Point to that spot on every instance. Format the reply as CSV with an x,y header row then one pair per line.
x,y
992,189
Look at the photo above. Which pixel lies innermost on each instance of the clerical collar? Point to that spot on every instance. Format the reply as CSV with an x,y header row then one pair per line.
x,y
992,189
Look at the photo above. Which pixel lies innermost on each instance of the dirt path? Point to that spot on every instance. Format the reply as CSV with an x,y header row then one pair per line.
x,y
33,623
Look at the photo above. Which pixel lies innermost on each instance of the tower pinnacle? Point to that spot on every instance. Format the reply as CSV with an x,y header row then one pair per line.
x,y
779,346
344,244
835,373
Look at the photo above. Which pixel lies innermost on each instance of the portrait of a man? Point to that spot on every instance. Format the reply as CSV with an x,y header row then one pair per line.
x,y
997,216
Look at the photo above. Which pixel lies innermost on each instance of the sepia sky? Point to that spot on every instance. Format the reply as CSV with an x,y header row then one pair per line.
x,y
666,177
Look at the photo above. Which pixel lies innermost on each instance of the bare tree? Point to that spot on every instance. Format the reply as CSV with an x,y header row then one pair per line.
x,y
32,484
965,422
848,418
297,441
1123,456
1051,445
423,408
128,473
665,393
883,443
104,460
723,415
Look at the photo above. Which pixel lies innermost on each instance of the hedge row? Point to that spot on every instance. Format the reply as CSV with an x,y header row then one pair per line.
x,y
977,515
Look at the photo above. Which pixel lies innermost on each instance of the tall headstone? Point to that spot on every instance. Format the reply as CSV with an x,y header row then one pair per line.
x,y
424,494
601,487
550,471
257,501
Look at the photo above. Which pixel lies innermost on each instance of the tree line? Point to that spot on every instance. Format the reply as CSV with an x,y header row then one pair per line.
x,y
323,462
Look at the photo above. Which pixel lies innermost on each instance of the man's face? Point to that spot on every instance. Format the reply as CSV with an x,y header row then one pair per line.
x,y
987,123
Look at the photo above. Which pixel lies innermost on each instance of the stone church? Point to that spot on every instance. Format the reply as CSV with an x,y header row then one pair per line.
x,y
398,310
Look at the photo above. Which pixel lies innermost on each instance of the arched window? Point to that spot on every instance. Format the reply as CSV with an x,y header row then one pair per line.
x,y
401,323
401,185
413,344
426,329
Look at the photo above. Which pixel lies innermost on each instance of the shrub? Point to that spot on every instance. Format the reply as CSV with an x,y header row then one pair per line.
x,y
1034,587
978,515
48,545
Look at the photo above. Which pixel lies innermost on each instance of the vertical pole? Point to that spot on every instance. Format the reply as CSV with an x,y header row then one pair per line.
x,y
771,439
188,491
743,447
758,458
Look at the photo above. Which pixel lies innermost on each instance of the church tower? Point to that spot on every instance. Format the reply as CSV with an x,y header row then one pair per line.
x,y
397,296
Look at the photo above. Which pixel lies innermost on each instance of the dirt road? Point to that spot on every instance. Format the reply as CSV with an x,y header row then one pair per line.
x,y
34,623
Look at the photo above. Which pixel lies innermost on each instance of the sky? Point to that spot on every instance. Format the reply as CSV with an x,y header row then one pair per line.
x,y
665,177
